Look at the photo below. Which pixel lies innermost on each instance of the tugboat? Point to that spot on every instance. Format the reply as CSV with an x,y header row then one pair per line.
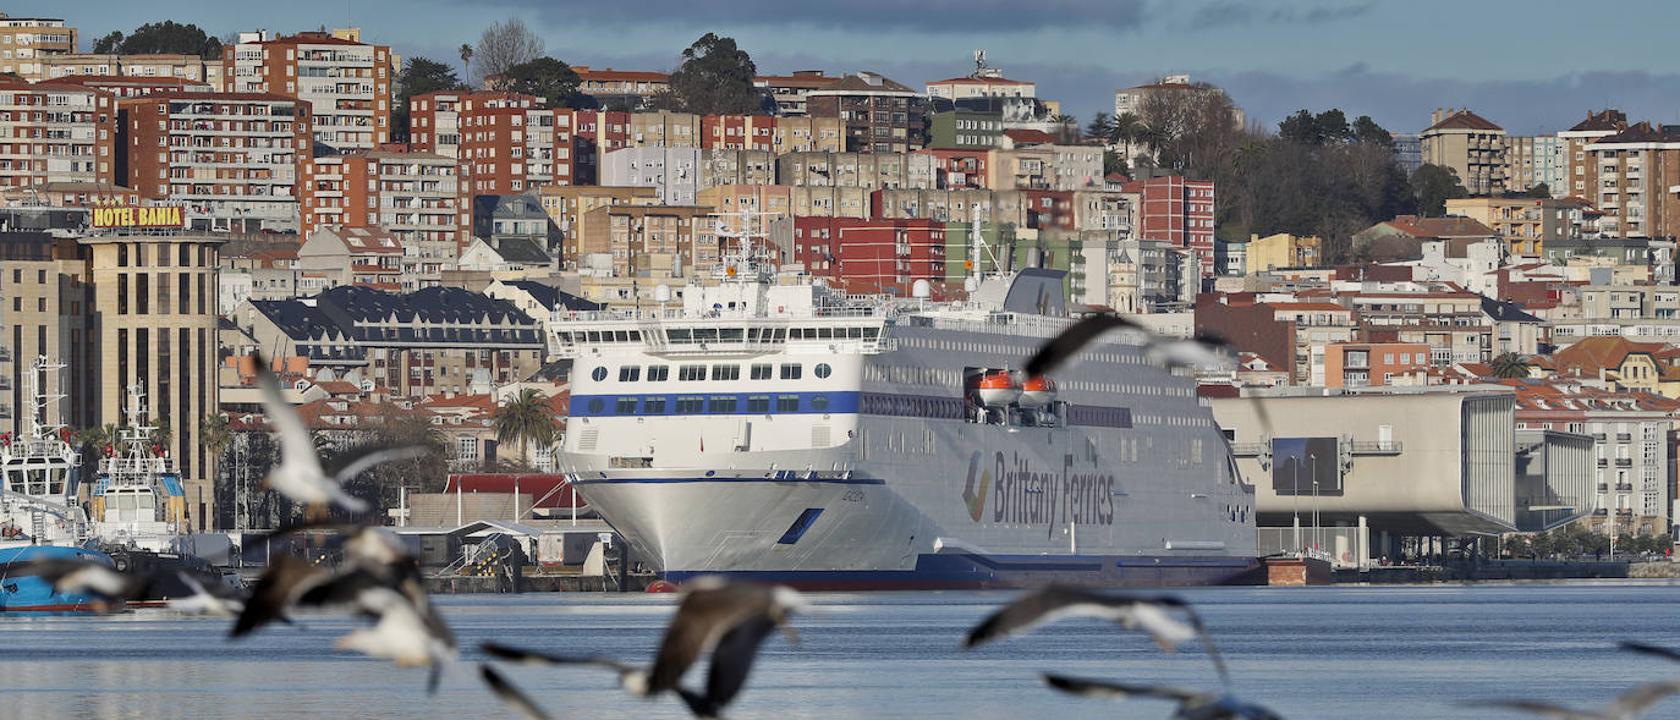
x,y
139,509
39,517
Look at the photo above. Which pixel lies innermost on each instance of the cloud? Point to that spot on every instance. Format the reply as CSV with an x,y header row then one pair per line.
x,y
1225,13
924,16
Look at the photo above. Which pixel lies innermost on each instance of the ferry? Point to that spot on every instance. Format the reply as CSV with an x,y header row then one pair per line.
x,y
39,516
774,429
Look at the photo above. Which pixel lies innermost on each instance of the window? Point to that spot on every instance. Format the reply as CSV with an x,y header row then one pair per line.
x,y
761,372
724,404
466,448
758,404
630,373
598,374
819,403
691,405
787,403
595,405
689,373
823,370
792,371
653,406
659,373
726,372
626,406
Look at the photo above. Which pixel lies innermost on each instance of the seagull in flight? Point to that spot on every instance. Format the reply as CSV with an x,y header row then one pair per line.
x,y
1630,705
1155,615
728,620
1649,649
299,475
1192,704
204,602
93,576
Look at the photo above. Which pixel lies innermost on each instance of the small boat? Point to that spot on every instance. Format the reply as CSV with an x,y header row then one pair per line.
x,y
999,389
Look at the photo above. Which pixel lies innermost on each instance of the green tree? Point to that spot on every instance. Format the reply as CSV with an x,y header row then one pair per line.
x,y
1540,190
1301,127
1509,365
1433,186
1101,127
1366,130
213,432
466,59
1113,163
716,78
166,36
545,77
526,418
1333,126
419,76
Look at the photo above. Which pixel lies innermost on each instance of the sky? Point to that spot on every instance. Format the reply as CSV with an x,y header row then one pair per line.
x,y
1533,66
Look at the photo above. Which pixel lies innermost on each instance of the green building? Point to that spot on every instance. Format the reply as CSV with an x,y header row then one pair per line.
x,y
966,130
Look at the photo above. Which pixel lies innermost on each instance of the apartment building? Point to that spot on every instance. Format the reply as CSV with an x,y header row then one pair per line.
x,y
1178,211
1580,170
27,43
741,132
1471,146
191,68
789,92
1365,364
1533,161
988,82
666,129
232,159
421,199
808,134
1282,250
567,204
347,84
56,132
1451,323
965,130
647,240
1526,224
880,115
156,302
128,86
1634,174
621,89
873,171
444,339
45,307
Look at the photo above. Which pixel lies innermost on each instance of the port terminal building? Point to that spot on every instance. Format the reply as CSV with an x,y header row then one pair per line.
x,y
1362,476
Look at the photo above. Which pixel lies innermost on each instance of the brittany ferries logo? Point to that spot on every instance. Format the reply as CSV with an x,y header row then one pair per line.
x,y
1023,494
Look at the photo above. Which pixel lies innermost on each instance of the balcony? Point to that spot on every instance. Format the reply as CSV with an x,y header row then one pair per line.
x,y
1603,462
1624,462
1603,488
1624,437
1624,487
1598,437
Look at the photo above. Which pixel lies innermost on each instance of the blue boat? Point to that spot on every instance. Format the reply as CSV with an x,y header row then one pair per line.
x,y
30,593
39,516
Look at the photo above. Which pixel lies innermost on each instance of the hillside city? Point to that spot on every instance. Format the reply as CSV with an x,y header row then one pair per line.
x,y
408,237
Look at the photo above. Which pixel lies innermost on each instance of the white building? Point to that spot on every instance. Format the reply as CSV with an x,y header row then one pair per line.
x,y
674,171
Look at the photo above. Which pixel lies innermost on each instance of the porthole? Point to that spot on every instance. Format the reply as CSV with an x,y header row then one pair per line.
x,y
823,370
599,373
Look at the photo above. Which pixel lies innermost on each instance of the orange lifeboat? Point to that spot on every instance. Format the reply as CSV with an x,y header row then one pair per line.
x,y
999,389
1038,392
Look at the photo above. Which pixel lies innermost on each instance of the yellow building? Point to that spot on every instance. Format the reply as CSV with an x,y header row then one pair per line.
x,y
1526,224
1283,250
25,41
567,204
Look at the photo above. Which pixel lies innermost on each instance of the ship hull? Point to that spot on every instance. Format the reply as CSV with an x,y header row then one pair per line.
x,y
858,534
30,593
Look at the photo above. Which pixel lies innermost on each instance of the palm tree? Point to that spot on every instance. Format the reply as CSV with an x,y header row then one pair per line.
x,y
526,418
466,61
1509,365
214,433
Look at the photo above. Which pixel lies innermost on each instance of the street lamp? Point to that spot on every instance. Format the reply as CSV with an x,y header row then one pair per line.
x,y
1312,461
1295,503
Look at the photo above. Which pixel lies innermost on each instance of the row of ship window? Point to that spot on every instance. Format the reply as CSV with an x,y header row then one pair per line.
x,y
717,404
728,334
693,373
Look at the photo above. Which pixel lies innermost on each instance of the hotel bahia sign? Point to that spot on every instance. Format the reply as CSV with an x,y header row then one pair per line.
x,y
130,216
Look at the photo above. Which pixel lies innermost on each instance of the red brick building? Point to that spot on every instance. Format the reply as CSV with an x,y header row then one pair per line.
x,y
419,198
873,255
738,132
1178,211
347,84
963,169
56,132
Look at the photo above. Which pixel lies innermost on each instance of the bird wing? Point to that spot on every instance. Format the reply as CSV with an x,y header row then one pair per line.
x,y
285,580
509,693
733,658
296,446
1639,699
83,576
1064,346
702,618
360,459
1535,707
1110,689
1027,611
532,657
1649,649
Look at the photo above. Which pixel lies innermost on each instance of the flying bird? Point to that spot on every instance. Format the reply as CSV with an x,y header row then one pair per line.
x,y
106,587
1153,614
1630,705
728,620
300,475
1192,704
401,634
204,602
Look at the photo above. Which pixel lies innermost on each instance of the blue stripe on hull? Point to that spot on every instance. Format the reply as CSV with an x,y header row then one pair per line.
x,y
978,572
29,593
